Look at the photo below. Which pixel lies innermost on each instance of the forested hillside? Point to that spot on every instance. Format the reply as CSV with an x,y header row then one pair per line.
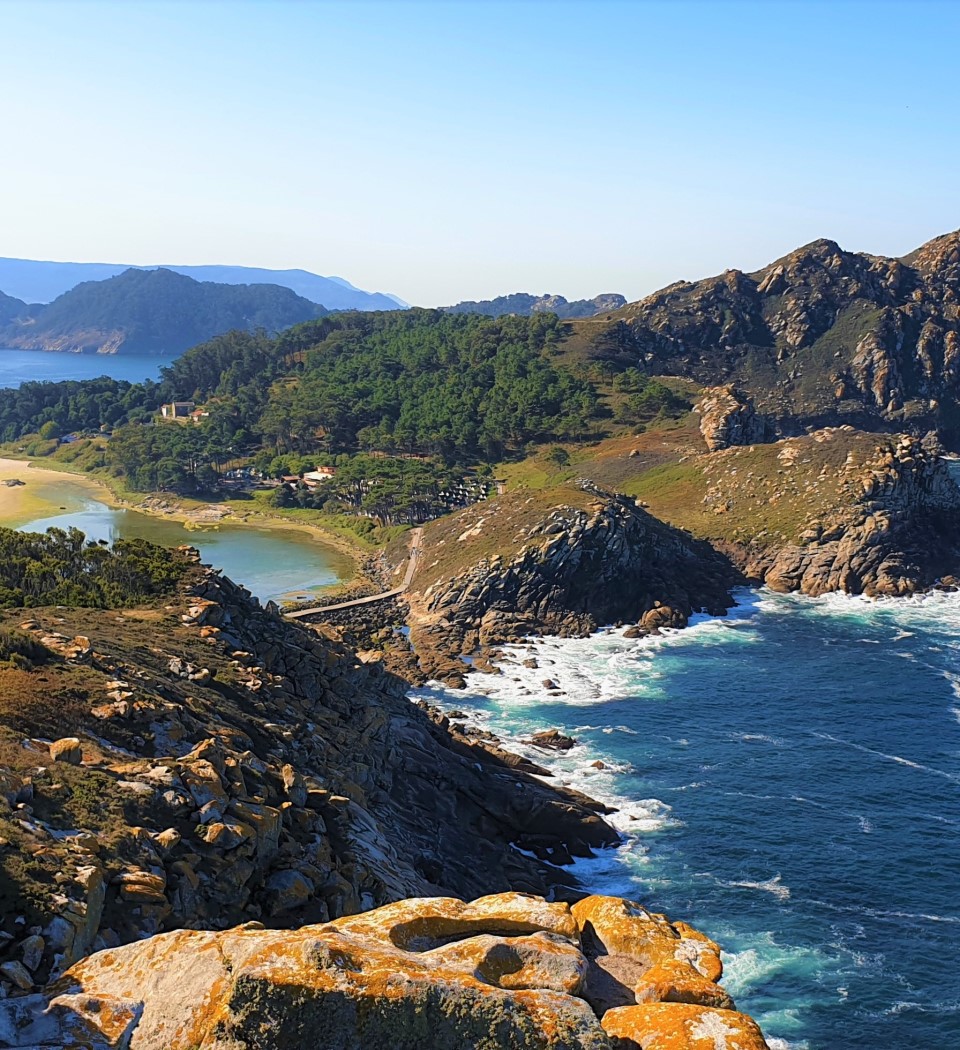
x,y
821,337
462,389
62,568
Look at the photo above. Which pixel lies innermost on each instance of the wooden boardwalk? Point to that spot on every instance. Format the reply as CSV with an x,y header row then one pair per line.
x,y
415,542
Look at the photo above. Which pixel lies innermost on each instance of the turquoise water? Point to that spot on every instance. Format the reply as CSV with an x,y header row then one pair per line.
x,y
21,366
275,564
789,781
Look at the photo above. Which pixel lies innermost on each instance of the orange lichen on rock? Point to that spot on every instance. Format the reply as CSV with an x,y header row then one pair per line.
x,y
539,960
424,923
505,971
683,1026
676,981
644,957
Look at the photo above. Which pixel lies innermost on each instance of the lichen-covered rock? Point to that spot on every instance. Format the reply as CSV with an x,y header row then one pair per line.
x,y
422,924
504,972
639,956
303,788
679,1026
67,749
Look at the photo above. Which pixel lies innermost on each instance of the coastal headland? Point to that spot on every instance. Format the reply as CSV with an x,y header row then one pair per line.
x,y
191,777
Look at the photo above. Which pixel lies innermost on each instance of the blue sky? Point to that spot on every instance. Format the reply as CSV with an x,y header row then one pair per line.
x,y
446,150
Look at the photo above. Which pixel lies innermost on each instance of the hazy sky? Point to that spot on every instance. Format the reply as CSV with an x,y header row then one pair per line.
x,y
453,150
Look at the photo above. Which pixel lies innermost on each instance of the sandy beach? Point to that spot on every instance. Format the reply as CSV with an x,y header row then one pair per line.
x,y
43,492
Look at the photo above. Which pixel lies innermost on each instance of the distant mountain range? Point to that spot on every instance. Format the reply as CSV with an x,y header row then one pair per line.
x,y
148,312
34,281
524,304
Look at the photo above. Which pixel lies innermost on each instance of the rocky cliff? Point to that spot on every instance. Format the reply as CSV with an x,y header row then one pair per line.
x,y
505,971
206,763
564,564
834,510
821,335
896,534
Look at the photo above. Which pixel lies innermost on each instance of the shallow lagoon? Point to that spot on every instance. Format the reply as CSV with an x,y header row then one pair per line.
x,y
274,563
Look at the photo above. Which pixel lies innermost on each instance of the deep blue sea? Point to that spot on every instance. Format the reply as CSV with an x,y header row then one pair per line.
x,y
789,781
19,366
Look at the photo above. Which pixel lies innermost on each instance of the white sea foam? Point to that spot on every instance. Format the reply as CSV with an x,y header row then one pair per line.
x,y
881,913
772,885
759,738
747,972
608,667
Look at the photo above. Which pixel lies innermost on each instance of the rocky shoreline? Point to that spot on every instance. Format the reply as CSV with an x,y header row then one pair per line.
x,y
261,772
892,530
896,534
230,771
575,569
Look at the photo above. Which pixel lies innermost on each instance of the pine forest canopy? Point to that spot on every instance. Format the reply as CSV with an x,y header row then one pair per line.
x,y
465,389
61,568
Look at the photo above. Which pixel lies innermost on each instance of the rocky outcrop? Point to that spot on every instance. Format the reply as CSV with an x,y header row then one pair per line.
x,y
566,573
896,534
224,765
727,417
505,971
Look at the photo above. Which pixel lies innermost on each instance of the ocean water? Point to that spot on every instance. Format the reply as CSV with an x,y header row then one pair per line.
x,y
21,366
788,779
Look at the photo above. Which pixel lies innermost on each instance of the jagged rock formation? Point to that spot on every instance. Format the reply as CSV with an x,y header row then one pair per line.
x,y
229,766
524,304
834,509
505,971
588,559
727,417
821,335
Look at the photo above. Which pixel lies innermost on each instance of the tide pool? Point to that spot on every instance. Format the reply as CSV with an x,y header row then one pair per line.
x,y
788,780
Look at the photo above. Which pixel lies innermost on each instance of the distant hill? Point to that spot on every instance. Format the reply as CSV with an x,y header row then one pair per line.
x,y
42,282
523,305
10,308
148,312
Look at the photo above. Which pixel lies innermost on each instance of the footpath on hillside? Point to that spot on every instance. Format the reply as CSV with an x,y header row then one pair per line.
x,y
415,542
